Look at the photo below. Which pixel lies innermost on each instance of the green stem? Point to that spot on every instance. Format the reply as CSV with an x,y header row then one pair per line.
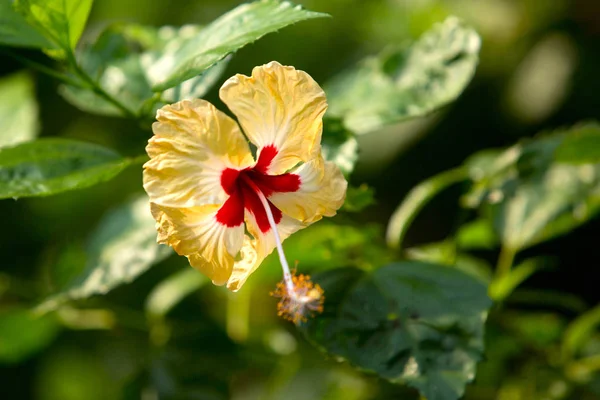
x,y
414,202
505,261
97,89
43,69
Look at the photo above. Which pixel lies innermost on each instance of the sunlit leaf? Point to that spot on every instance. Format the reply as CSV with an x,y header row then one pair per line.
x,y
61,21
528,195
529,206
414,323
22,334
406,83
114,61
196,87
15,31
358,198
88,101
487,168
235,29
478,234
122,247
49,166
144,41
339,145
18,110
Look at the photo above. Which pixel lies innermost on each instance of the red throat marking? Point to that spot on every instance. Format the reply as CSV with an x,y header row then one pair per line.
x,y
241,187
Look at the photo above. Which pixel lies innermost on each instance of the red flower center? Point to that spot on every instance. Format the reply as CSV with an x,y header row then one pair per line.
x,y
242,185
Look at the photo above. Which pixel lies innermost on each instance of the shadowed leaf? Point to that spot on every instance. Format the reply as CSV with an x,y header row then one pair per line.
x,y
415,323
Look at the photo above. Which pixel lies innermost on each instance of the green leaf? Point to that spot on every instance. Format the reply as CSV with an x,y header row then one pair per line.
x,y
486,169
22,334
235,29
358,198
528,195
50,166
446,253
146,41
116,62
18,110
406,83
86,100
61,21
410,322
416,199
15,31
580,331
122,247
505,284
339,145
582,146
196,87
325,245
172,290
113,62
475,235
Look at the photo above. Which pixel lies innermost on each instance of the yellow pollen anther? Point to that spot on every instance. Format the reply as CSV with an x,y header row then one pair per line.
x,y
305,300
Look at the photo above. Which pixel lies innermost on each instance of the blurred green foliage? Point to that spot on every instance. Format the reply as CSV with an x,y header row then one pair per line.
x,y
496,202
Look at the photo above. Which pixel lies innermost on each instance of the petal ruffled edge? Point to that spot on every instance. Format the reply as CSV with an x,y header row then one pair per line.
x,y
193,143
195,232
280,109
321,193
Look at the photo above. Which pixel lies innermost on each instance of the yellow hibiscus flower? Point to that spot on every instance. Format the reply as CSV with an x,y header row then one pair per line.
x,y
217,205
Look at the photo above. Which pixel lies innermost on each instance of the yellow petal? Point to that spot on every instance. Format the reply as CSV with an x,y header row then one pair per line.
x,y
256,249
281,107
322,192
193,143
195,232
